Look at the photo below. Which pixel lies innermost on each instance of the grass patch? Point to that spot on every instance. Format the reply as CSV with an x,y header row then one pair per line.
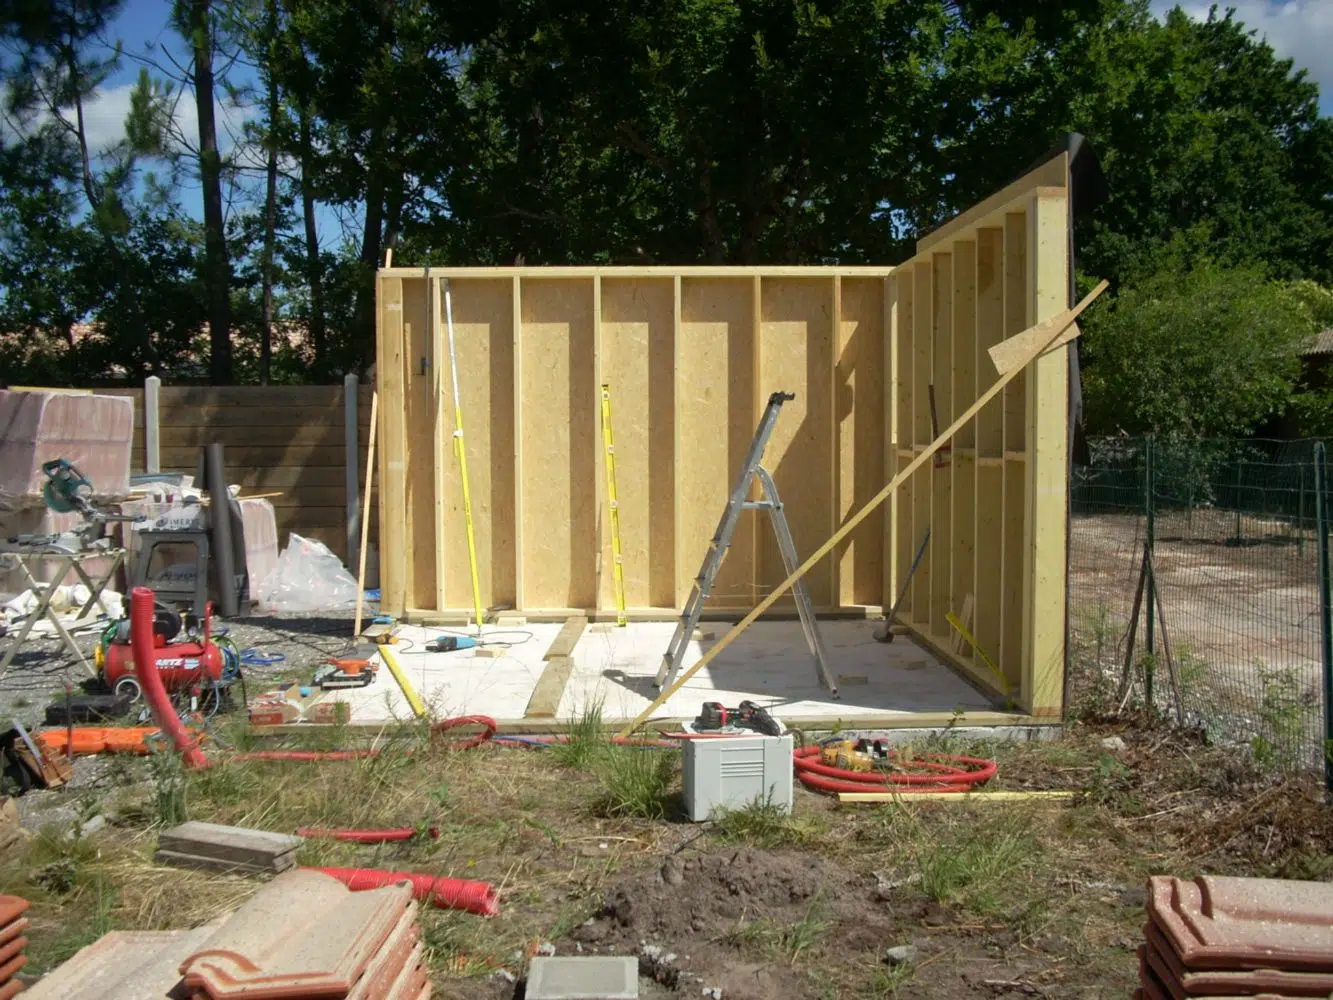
x,y
789,944
975,864
586,741
762,824
637,781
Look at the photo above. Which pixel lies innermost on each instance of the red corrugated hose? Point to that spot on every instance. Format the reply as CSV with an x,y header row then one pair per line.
x,y
444,893
942,773
487,724
367,836
142,602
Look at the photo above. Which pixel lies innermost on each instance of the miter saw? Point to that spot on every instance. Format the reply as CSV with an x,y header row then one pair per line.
x,y
68,491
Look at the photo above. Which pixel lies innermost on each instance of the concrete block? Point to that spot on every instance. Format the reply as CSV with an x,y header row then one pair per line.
x,y
602,977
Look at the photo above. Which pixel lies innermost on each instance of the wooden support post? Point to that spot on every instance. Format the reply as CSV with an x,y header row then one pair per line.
x,y
365,521
351,464
152,431
391,373
520,602
1051,328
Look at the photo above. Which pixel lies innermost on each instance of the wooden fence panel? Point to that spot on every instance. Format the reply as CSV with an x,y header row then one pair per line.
x,y
287,440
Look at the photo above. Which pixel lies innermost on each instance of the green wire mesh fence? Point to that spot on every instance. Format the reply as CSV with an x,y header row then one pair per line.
x,y
1230,635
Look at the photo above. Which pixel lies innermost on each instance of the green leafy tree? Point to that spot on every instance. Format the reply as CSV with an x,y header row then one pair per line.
x,y
1209,352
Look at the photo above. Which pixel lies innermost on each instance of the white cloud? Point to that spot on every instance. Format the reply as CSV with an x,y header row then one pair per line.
x,y
1299,30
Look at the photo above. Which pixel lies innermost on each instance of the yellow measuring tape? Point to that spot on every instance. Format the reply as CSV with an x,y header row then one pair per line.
x,y
461,451
953,620
617,562
400,675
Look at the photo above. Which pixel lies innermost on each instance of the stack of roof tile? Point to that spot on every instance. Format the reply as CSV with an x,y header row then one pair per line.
x,y
305,935
1237,937
12,942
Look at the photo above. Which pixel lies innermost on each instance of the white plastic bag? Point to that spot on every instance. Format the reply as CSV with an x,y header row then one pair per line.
x,y
308,577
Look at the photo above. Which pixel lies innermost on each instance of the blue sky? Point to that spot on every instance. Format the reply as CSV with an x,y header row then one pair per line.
x,y
1298,29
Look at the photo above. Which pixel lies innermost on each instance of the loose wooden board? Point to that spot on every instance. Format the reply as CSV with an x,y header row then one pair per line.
x,y
564,643
236,845
181,859
550,688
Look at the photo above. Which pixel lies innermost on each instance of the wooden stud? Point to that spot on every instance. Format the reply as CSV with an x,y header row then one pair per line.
x,y
602,575
1048,467
391,373
1014,520
834,452
680,580
963,493
923,361
442,431
520,589
568,637
940,471
907,534
892,430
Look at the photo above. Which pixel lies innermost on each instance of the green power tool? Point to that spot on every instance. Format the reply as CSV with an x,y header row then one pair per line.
x,y
69,491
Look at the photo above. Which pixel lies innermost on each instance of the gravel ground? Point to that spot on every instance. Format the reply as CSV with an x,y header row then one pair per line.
x,y
42,668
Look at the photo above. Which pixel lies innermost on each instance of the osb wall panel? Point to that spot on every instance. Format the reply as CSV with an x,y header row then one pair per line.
x,y
689,358
880,360
994,503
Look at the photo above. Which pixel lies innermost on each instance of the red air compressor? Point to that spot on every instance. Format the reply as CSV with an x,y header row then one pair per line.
x,y
195,662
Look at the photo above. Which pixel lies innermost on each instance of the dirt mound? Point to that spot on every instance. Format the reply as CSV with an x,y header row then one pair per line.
x,y
715,891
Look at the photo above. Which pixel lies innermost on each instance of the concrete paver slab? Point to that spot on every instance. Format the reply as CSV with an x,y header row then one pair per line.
x,y
603,977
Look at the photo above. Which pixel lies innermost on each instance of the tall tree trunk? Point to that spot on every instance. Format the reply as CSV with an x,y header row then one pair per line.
x,y
149,364
372,238
270,198
314,268
217,268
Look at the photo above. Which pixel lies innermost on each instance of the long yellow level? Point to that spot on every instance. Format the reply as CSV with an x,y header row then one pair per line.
x,y
613,500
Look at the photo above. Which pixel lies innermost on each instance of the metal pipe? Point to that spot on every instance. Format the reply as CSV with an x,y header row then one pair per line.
x,y
220,530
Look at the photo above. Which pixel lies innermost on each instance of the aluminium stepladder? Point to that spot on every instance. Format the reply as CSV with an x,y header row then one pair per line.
x,y
738,502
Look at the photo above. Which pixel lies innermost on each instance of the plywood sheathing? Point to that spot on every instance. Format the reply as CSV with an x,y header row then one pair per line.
x,y
690,355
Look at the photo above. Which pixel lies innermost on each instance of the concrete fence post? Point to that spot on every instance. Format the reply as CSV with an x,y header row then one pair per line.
x,y
152,440
353,465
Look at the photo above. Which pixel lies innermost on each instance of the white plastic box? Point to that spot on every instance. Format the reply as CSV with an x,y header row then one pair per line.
x,y
732,772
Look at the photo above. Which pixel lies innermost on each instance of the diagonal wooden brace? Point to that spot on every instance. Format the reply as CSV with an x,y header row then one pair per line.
x,y
1035,341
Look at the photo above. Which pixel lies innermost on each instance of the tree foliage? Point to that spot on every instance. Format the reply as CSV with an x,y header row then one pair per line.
x,y
1211,352
688,131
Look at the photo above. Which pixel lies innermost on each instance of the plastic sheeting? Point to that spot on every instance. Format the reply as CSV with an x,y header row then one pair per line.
x,y
308,577
93,432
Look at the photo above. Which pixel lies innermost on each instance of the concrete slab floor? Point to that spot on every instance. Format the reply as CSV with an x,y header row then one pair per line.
x,y
615,667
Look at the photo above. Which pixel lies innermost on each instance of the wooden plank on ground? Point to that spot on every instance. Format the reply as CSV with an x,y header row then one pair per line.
x,y
550,688
1018,795
569,636
228,846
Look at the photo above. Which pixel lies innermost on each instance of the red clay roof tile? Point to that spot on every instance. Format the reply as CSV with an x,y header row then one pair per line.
x,y
1215,922
306,935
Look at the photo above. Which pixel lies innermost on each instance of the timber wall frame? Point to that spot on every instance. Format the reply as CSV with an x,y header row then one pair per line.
x,y
691,355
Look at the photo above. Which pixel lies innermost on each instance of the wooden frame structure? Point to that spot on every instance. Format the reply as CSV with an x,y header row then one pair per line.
x,y
691,354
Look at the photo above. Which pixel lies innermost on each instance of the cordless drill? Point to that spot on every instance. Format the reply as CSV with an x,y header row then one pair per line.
x,y
749,716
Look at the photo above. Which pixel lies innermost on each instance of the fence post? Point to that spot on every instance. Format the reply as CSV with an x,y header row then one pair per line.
x,y
352,477
152,441
1325,611
1151,595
